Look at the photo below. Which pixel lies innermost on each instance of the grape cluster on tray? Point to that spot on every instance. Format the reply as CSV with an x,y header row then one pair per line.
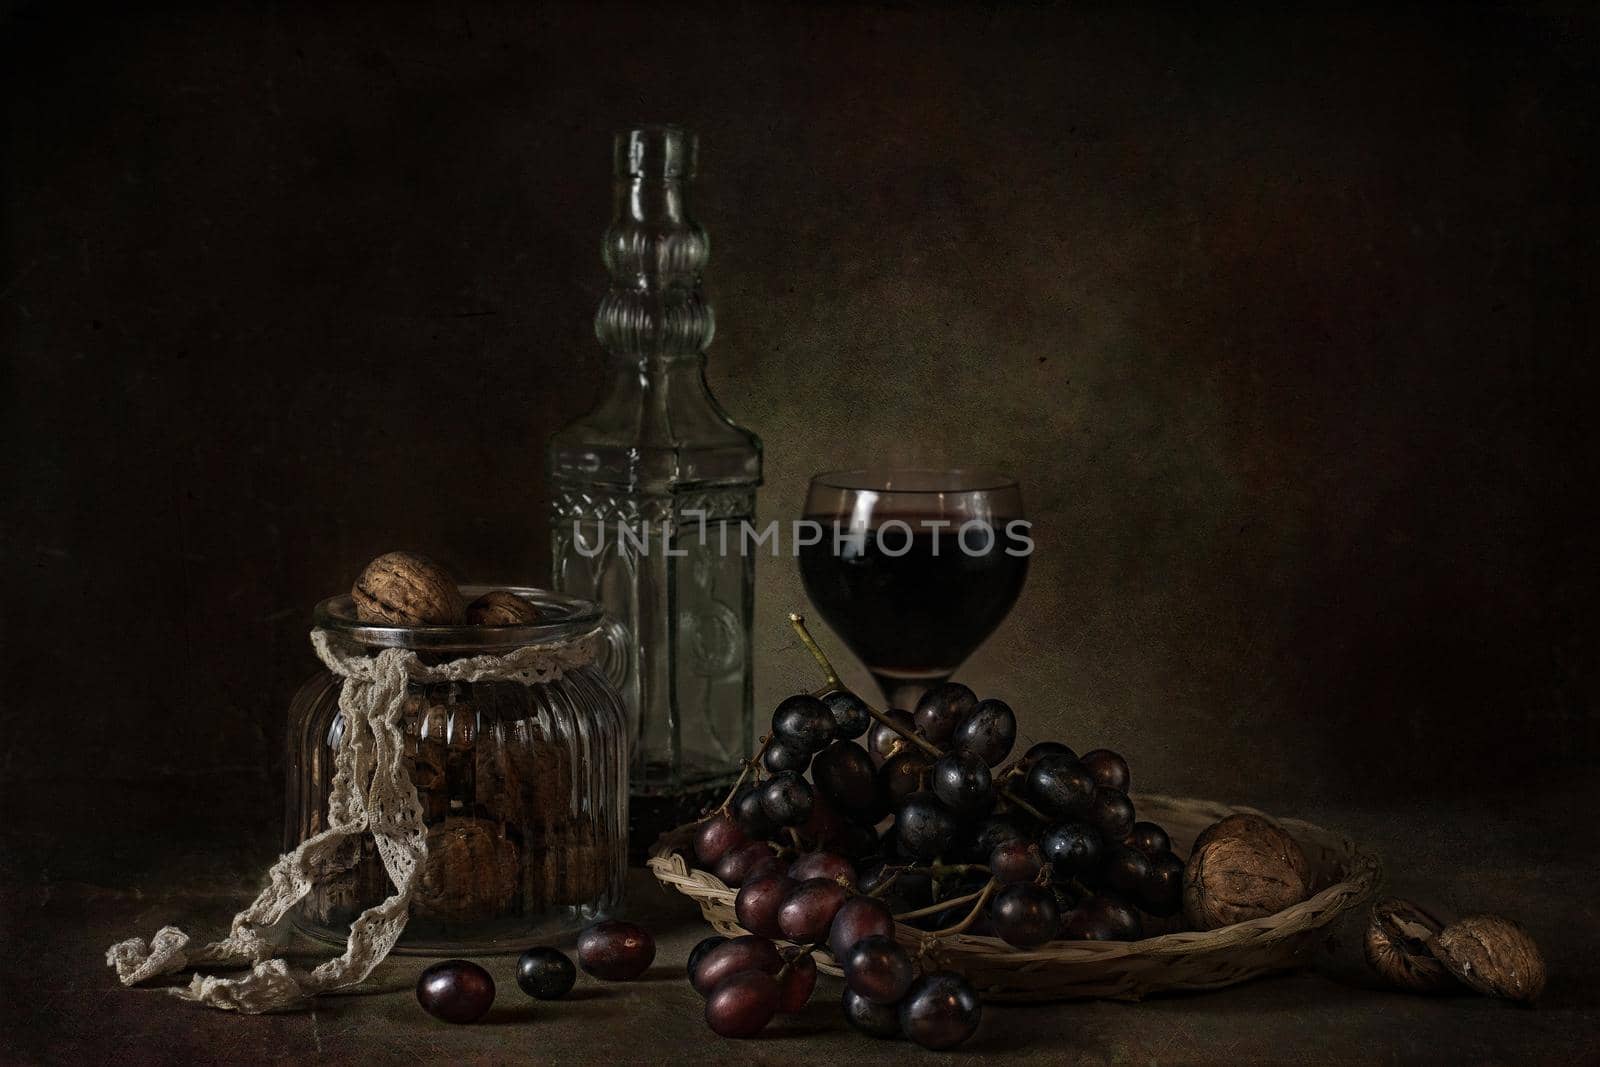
x,y
926,823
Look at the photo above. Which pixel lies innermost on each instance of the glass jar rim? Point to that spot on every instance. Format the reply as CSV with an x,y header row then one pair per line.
x,y
909,480
561,618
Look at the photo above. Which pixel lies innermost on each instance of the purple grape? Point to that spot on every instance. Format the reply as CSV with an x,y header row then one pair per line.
x,y
942,709
742,1004
804,723
1025,915
757,904
844,773
1060,785
941,1011
809,910
1112,813
858,918
963,785
616,951
1149,838
1015,861
456,991
735,956
851,718
1109,770
829,865
796,981
879,969
716,836
988,733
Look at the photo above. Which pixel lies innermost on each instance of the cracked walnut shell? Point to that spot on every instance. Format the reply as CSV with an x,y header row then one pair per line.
x,y
1494,956
1244,867
1398,946
405,589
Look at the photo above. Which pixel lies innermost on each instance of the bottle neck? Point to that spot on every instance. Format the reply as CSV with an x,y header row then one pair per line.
x,y
654,311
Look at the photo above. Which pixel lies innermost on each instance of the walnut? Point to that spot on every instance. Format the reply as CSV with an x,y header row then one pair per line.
x,y
502,608
1398,946
1494,956
405,589
470,872
1245,867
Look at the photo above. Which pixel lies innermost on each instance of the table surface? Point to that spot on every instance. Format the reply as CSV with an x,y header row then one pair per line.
x,y
65,897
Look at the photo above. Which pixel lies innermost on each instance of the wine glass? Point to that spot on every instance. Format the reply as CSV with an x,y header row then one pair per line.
x,y
913,568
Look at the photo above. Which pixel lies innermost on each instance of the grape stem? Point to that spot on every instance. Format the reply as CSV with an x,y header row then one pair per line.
x,y
749,765
798,622
934,909
972,916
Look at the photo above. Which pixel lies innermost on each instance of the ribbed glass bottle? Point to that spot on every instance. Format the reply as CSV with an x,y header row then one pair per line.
x,y
650,491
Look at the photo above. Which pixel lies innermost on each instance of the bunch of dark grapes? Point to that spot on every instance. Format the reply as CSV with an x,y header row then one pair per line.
x,y
851,819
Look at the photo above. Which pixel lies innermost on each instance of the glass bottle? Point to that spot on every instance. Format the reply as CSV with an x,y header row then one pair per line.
x,y
650,492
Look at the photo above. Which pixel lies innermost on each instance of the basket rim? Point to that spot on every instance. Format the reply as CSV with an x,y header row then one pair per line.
x,y
1361,874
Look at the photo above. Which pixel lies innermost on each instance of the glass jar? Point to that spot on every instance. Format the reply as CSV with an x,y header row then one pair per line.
x,y
523,787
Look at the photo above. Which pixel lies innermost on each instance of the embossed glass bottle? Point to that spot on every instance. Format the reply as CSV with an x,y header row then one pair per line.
x,y
649,492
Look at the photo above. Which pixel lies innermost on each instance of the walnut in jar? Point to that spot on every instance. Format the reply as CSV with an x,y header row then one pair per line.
x,y
406,589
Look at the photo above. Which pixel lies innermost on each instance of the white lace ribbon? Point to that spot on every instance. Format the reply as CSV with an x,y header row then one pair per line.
x,y
372,793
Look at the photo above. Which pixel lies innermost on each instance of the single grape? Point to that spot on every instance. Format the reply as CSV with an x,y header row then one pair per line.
x,y
962,784
735,956
756,906
843,772
924,827
1043,749
717,835
940,1011
829,865
1060,786
457,991
855,840
1025,915
700,950
1112,813
879,969
796,981
988,733
809,910
1103,917
742,1004
1072,849
1162,891
883,742
545,973
787,799
1149,838
1124,869
850,716
990,832
804,722
1015,861
746,808
783,756
616,951
901,775
942,709
824,825
747,862
1108,769
875,1020
858,918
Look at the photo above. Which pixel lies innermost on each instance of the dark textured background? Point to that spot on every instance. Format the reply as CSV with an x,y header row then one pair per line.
x,y
1285,323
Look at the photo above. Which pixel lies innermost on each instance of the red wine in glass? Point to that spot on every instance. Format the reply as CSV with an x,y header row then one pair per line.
x,y
914,568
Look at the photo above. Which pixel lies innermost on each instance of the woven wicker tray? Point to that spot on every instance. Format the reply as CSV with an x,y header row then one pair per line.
x,y
1344,877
